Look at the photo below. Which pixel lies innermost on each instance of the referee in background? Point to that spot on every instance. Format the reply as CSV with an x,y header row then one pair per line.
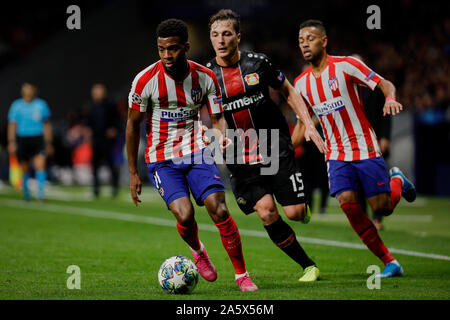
x,y
30,137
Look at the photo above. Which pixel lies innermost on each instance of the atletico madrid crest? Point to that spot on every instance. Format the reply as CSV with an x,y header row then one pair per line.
x,y
333,83
196,95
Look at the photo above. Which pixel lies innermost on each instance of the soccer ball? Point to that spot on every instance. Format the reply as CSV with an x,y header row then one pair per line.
x,y
178,274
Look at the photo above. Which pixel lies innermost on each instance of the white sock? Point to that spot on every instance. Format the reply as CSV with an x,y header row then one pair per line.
x,y
395,262
200,250
237,276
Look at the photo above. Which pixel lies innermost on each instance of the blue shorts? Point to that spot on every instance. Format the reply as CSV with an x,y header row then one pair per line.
x,y
174,178
371,174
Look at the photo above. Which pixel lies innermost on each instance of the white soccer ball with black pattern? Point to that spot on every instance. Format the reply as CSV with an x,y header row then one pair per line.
x,y
178,274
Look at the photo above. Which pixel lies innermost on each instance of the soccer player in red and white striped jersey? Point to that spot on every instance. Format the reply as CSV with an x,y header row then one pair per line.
x,y
170,93
348,134
329,87
174,126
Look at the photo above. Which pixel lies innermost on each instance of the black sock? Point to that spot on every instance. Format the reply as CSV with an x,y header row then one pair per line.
x,y
284,237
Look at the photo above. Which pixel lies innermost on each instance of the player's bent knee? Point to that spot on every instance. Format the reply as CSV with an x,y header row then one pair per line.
x,y
347,196
267,210
185,219
295,213
381,205
221,213
217,208
184,215
268,215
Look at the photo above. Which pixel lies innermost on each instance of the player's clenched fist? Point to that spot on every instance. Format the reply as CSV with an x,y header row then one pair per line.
x,y
224,143
206,140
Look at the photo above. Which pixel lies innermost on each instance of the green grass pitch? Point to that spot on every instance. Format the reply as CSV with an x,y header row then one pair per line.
x,y
119,249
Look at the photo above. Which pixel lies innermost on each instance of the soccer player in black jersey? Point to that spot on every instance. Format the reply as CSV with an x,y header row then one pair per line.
x,y
244,78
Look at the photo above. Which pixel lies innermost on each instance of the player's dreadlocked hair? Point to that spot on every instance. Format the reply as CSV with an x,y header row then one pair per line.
x,y
227,14
313,23
173,28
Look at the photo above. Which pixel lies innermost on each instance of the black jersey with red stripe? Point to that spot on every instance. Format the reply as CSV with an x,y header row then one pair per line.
x,y
247,104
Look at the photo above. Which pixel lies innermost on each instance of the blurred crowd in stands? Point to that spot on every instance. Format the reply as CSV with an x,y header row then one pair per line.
x,y
412,53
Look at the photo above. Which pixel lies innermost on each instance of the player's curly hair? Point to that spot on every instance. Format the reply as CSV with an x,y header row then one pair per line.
x,y
313,23
173,28
226,14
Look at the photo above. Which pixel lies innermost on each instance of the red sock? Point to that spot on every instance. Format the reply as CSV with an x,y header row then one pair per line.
x,y
365,229
231,240
190,235
396,191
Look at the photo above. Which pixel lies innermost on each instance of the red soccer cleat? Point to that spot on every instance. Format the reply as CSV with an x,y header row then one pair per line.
x,y
205,266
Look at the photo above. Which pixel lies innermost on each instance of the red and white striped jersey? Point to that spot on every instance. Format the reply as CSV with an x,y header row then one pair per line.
x,y
334,98
173,127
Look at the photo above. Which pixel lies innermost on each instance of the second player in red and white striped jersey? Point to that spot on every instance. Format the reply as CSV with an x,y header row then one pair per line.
x,y
334,98
173,127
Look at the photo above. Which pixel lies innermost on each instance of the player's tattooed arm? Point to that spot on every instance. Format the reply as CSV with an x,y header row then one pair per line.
x,y
132,138
390,106
299,106
219,125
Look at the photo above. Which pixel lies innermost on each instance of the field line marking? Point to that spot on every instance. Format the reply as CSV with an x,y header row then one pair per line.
x,y
207,227
339,217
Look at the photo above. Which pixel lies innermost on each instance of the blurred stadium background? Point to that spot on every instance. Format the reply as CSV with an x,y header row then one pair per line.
x,y
117,40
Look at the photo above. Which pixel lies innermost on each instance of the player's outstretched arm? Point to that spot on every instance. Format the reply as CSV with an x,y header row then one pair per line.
x,y
390,106
132,137
299,106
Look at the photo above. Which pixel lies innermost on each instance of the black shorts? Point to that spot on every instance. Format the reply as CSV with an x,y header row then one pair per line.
x,y
28,147
249,185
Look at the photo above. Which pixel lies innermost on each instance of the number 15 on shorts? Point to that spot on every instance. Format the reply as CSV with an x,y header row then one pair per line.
x,y
297,183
